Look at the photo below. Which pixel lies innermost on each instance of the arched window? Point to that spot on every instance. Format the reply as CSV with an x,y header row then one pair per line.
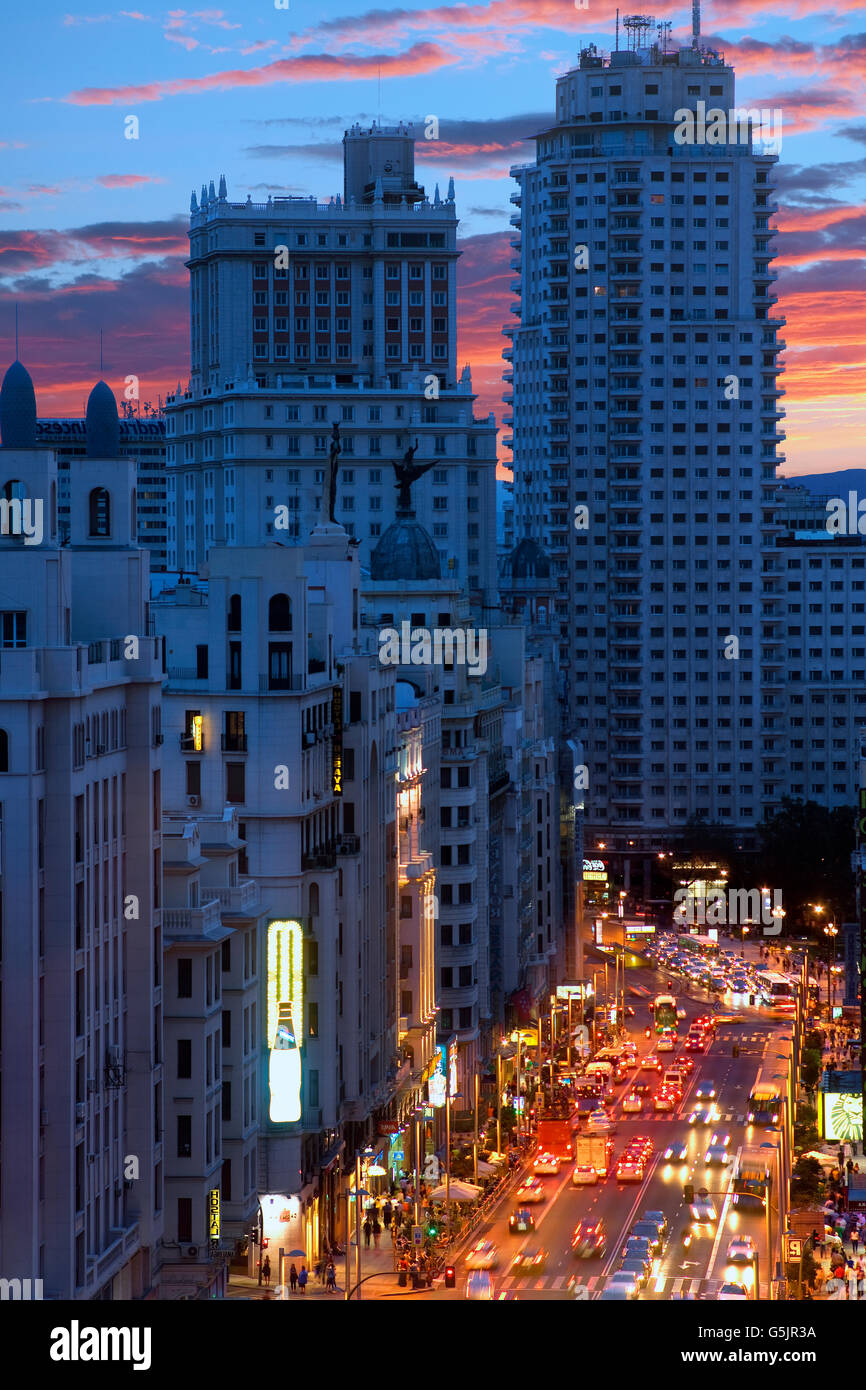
x,y
100,512
279,613
4,751
234,619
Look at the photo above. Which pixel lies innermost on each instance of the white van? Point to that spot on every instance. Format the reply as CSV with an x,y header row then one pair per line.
x,y
602,1068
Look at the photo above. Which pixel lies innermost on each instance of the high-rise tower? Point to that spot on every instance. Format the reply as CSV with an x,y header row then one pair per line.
x,y
645,412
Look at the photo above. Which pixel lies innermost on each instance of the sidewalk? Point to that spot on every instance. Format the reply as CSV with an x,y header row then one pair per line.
x,y
373,1262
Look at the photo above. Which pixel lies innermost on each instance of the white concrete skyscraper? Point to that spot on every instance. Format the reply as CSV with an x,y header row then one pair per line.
x,y
645,431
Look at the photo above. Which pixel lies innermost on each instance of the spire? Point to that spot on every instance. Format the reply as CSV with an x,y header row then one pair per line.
x,y
211,192
450,198
18,409
193,205
223,190
203,196
437,201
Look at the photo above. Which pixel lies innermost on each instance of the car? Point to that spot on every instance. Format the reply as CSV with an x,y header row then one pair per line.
x,y
483,1255
703,1116
479,1285
584,1175
648,1230
619,1287
675,1153
663,1101
695,1043
716,1156
628,1062
589,1240
705,1090
742,1251
731,1291
531,1190
686,1064
641,1143
599,1122
633,1104
638,1248
658,1219
681,1013
529,1262
546,1164
641,1088
650,1062
635,1267
702,1211
722,1140
665,1045
520,1221
630,1170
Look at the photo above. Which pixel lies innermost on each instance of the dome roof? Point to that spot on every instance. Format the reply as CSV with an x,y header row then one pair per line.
x,y
18,409
405,551
527,561
102,424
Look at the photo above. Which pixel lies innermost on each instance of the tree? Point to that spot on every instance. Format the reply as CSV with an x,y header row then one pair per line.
x,y
806,852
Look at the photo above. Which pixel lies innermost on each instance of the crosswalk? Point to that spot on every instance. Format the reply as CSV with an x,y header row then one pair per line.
x,y
665,1286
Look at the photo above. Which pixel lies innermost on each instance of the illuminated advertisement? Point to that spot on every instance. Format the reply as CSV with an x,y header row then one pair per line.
x,y
840,1117
337,741
452,1067
213,1210
437,1084
285,1020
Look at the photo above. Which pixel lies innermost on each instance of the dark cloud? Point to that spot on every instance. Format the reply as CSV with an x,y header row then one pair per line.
x,y
314,150
823,277
854,132
817,178
487,212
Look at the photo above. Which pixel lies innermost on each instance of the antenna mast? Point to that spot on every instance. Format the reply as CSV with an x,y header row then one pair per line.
x,y
617,29
696,23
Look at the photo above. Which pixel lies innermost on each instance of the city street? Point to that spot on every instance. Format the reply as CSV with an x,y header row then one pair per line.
x,y
699,1270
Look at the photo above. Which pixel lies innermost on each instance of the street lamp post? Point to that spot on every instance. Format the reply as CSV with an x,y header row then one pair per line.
x,y
832,931
357,1193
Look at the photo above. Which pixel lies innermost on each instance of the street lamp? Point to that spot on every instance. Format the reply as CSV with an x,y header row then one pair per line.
x,y
832,931
357,1192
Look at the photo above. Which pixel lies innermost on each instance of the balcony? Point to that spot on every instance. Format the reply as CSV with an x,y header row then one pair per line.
x,y
348,844
187,744
197,921
319,859
241,900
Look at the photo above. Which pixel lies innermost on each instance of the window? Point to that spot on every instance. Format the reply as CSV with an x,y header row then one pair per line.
x,y
13,629
100,512
184,1136
279,613
184,1058
235,782
184,977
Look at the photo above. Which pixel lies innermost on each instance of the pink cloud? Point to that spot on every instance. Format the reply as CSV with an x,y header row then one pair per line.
x,y
322,67
126,180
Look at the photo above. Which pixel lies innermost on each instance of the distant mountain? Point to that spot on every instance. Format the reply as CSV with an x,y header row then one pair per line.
x,y
837,484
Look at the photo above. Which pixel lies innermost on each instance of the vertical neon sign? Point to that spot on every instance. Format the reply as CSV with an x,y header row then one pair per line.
x,y
285,1019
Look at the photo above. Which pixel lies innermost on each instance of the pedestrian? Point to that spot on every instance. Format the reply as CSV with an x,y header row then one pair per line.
x,y
820,1278
331,1274
377,1231
302,1279
387,1214
266,1270
293,1279
368,1231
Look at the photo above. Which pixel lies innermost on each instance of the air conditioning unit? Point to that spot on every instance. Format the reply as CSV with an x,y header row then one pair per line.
x,y
80,1112
189,1251
193,800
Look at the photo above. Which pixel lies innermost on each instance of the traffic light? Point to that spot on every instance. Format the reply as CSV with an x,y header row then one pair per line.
x,y
450,1276
689,1193
432,1230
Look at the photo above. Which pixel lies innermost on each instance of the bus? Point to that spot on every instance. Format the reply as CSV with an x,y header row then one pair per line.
x,y
776,991
750,1182
665,1012
701,945
765,1103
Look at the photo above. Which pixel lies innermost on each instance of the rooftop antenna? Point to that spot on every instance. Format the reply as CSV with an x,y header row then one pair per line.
x,y
617,29
16,332
100,354
696,23
664,29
